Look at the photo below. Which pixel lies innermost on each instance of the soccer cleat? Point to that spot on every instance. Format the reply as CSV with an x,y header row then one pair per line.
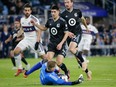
x,y
18,72
89,77
80,78
24,74
68,74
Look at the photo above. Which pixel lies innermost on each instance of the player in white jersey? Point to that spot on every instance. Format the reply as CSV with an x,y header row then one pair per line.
x,y
87,37
31,37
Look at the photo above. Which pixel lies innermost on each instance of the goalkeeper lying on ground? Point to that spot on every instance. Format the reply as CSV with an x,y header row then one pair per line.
x,y
49,77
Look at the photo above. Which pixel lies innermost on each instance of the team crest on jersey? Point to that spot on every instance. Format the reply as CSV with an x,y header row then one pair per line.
x,y
58,25
75,14
66,16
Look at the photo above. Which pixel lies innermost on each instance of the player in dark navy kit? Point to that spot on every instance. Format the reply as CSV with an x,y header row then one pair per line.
x,y
58,35
74,18
16,36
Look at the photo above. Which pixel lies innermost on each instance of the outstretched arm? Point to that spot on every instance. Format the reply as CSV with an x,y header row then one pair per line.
x,y
84,22
41,27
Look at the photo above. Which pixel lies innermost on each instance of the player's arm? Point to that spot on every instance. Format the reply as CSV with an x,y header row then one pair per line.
x,y
59,46
84,22
39,32
20,33
58,81
66,34
9,39
41,27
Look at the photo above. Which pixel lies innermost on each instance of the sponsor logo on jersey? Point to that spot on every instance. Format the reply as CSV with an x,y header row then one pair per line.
x,y
72,22
54,31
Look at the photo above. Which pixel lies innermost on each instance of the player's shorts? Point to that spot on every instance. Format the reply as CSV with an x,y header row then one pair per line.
x,y
14,45
52,47
30,43
76,39
84,45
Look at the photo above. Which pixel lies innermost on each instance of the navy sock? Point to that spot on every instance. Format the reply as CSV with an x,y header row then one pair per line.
x,y
79,55
86,70
64,68
24,61
34,68
13,61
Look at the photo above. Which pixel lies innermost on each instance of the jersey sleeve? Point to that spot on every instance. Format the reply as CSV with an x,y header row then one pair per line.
x,y
58,81
95,30
36,21
65,26
47,24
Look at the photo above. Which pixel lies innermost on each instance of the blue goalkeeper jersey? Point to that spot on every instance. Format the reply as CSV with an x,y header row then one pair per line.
x,y
51,78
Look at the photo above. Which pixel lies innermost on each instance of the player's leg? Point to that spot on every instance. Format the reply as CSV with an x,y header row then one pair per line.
x,y
13,59
25,62
62,65
74,50
37,66
61,55
22,45
86,49
17,56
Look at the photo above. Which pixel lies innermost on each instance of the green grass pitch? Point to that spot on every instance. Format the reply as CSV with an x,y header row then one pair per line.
x,y
103,73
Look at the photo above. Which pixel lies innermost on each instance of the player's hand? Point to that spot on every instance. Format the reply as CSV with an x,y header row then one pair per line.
x,y
6,41
87,30
59,46
36,45
80,80
71,35
33,22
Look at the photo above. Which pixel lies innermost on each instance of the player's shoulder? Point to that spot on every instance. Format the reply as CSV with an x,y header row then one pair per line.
x,y
62,19
33,17
63,11
90,25
75,9
50,18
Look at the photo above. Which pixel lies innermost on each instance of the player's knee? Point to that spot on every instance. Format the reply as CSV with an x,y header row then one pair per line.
x,y
59,63
17,51
71,50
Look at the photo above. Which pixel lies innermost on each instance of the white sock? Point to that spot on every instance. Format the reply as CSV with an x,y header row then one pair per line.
x,y
18,61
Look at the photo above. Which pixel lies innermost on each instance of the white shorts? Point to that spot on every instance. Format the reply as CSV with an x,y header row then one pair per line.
x,y
30,43
84,44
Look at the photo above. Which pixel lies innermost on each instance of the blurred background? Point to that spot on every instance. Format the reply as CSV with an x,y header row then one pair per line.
x,y
101,12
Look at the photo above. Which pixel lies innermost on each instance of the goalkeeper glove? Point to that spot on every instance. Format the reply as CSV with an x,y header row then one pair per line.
x,y
36,45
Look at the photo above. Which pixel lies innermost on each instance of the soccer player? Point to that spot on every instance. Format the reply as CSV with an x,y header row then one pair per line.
x,y
58,35
74,17
32,37
85,43
49,77
16,36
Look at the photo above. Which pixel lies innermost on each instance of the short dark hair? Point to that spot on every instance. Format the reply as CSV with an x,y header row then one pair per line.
x,y
27,5
55,7
71,0
51,64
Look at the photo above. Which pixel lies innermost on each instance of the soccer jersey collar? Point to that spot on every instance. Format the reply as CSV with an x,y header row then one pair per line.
x,y
70,10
